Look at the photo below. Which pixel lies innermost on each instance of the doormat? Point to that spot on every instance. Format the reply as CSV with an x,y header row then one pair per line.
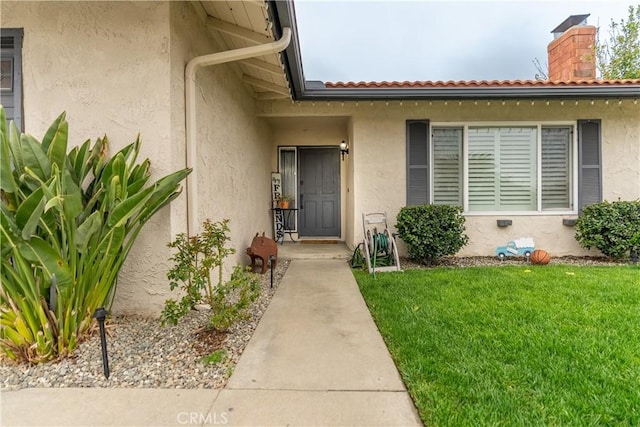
x,y
320,241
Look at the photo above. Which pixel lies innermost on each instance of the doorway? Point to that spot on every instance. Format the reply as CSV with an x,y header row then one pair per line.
x,y
319,192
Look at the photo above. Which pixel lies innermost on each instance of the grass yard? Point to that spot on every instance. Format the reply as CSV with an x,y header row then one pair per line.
x,y
515,345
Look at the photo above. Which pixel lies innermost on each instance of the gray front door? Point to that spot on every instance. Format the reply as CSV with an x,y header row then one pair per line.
x,y
319,188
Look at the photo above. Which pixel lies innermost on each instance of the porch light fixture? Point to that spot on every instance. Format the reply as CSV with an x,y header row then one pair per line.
x,y
344,149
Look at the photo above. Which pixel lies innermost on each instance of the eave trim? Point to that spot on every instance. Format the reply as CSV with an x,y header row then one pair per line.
x,y
283,15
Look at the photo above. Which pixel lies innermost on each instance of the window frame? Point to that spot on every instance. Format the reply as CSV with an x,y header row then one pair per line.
x,y
573,187
15,55
290,148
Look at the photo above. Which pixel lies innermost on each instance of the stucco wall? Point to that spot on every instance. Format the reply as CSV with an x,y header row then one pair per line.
x,y
378,156
118,68
233,170
106,65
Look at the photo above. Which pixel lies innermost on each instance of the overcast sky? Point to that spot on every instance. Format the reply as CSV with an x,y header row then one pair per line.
x,y
435,40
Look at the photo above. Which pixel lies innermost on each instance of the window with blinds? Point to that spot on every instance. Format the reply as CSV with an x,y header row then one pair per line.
x,y
447,166
11,74
503,168
556,168
287,162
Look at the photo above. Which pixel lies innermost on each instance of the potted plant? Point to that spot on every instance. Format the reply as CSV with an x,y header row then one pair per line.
x,y
284,202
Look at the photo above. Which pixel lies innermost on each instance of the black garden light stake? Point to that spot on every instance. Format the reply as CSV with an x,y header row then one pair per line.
x,y
271,259
100,315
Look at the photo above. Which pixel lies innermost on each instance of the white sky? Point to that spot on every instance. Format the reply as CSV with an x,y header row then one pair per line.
x,y
436,40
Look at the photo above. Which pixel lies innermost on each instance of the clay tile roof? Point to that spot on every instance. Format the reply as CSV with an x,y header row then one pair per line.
x,y
479,83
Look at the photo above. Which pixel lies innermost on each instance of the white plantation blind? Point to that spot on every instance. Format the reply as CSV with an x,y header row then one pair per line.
x,y
483,157
447,166
556,168
502,168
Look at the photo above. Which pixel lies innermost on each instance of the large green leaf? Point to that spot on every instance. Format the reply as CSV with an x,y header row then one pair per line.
x,y
72,197
40,252
34,157
3,121
10,232
85,232
54,142
115,166
99,156
138,173
111,244
7,180
78,157
131,160
129,207
16,147
29,213
165,190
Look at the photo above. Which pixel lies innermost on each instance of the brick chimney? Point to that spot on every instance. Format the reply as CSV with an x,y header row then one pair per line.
x,y
572,53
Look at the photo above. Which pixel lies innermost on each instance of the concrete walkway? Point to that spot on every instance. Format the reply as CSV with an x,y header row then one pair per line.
x,y
316,358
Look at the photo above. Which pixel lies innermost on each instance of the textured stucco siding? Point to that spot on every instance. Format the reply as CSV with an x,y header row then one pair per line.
x,y
107,65
377,161
117,68
234,148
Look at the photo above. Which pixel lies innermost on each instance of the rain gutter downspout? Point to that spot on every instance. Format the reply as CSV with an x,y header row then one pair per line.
x,y
190,109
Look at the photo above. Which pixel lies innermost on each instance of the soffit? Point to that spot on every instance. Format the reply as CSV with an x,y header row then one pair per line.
x,y
313,124
239,24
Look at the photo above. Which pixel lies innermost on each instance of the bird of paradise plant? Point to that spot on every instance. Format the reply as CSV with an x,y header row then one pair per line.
x,y
68,221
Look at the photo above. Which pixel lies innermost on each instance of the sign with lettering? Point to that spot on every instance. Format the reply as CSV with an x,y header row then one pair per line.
x,y
276,188
278,217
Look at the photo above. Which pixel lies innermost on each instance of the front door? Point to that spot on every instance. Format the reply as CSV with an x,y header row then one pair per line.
x,y
319,192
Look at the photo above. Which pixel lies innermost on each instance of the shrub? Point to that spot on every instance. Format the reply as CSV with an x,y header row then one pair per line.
x,y
195,260
68,222
611,227
431,231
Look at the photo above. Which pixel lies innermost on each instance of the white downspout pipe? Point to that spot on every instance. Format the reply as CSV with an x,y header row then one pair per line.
x,y
190,110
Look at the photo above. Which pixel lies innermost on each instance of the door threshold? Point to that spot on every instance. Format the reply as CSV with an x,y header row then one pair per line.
x,y
326,241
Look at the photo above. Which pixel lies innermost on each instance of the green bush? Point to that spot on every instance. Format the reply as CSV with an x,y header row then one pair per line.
x,y
68,220
611,227
431,231
194,262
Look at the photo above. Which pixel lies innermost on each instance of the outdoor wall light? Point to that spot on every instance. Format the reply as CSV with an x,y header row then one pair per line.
x,y
344,149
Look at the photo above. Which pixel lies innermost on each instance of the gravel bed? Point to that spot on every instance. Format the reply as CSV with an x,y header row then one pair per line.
x,y
406,263
143,354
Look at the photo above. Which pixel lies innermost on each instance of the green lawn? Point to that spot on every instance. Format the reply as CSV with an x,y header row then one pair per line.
x,y
514,345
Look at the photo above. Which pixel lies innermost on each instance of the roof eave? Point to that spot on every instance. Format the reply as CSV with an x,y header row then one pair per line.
x,y
347,94
283,15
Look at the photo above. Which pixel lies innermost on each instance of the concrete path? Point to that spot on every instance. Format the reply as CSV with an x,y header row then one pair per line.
x,y
316,358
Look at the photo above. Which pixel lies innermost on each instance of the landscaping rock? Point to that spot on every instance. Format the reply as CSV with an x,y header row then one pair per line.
x,y
143,354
